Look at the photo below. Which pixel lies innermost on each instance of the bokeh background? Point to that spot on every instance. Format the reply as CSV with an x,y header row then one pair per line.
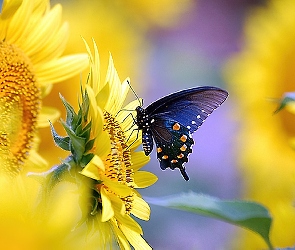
x,y
168,45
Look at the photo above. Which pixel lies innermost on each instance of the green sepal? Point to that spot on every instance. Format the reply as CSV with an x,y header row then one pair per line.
x,y
61,141
84,107
86,132
288,97
85,160
250,215
89,145
71,116
77,143
78,130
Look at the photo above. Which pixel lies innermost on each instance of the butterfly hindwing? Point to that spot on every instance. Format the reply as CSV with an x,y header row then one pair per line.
x,y
174,144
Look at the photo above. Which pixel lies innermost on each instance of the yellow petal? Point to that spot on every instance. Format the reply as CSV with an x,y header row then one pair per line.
x,y
123,242
91,169
36,160
61,69
53,47
9,8
103,96
115,88
94,80
117,188
107,210
19,23
135,239
126,220
103,144
143,179
140,208
124,91
139,159
47,114
46,27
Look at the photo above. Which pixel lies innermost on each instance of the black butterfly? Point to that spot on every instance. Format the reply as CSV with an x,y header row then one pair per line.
x,y
171,120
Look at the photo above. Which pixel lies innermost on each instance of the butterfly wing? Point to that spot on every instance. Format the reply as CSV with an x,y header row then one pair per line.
x,y
175,117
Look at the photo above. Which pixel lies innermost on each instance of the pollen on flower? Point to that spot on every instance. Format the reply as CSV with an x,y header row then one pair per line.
x,y
19,106
118,161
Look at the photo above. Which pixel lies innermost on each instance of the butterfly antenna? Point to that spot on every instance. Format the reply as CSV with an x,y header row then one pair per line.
x,y
140,103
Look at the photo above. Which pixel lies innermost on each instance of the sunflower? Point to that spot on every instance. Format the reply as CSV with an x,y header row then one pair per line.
x,y
32,39
115,166
259,74
28,224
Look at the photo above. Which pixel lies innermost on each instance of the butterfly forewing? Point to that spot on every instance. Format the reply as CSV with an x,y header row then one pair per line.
x,y
189,107
171,120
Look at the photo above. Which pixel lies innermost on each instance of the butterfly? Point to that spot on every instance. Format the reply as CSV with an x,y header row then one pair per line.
x,y
171,120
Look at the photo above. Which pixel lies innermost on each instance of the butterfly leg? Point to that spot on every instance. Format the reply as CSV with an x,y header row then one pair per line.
x,y
125,110
130,114
137,132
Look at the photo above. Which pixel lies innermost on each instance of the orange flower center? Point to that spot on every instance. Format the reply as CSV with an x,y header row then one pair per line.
x,y
19,107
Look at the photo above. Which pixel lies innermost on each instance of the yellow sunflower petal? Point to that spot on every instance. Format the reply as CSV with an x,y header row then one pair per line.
x,y
135,239
139,159
113,79
124,91
103,96
36,160
116,187
126,220
93,110
61,69
9,8
19,23
47,114
91,169
140,208
107,210
143,179
94,81
54,47
123,242
103,146
45,27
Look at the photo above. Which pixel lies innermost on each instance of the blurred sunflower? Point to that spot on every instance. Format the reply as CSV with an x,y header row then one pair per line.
x,y
32,40
261,72
122,27
115,165
28,224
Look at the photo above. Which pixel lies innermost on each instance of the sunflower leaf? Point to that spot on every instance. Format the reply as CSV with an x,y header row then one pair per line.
x,y
250,215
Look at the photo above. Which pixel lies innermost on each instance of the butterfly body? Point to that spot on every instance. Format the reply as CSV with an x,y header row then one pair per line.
x,y
171,120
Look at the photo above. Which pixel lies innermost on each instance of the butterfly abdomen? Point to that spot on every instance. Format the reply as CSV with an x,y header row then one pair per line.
x,y
143,124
